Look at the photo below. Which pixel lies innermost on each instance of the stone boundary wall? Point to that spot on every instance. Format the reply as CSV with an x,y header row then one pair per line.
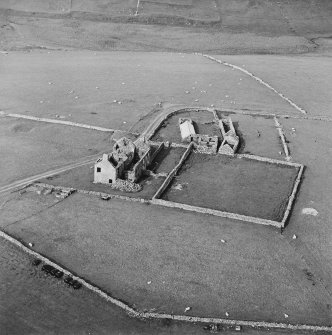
x,y
282,137
67,123
261,81
94,193
149,133
292,196
172,173
132,312
268,160
271,115
161,146
215,212
178,145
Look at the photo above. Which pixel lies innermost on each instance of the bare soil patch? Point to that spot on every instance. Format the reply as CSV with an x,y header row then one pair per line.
x,y
234,185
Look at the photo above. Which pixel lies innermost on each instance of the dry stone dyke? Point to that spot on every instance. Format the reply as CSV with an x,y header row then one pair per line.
x,y
172,173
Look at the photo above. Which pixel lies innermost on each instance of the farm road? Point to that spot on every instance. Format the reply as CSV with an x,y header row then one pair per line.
x,y
26,181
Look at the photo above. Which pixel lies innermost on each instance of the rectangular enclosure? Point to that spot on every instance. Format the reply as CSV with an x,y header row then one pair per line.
x,y
236,185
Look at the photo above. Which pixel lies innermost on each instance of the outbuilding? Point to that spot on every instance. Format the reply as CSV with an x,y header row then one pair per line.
x,y
187,129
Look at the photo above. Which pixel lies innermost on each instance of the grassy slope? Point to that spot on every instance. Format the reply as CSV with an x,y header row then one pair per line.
x,y
33,303
218,26
304,79
258,274
146,83
28,148
311,145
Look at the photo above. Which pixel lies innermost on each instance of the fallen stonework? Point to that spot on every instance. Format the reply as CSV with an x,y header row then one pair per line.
x,y
45,189
230,140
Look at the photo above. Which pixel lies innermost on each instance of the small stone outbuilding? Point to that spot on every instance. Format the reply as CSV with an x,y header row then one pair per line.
x,y
187,129
230,140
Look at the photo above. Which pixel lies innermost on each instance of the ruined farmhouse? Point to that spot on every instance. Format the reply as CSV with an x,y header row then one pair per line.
x,y
127,161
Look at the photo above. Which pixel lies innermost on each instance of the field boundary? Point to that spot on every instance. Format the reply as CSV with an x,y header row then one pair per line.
x,y
215,212
132,312
245,218
280,116
261,81
172,173
62,122
283,139
291,199
268,160
94,193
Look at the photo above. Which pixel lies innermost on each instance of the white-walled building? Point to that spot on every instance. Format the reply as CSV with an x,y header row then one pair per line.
x,y
187,129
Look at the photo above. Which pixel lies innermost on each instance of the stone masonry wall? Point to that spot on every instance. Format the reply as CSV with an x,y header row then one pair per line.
x,y
173,172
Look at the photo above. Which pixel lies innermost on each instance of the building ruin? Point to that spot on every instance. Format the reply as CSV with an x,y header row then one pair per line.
x,y
127,161
209,144
230,140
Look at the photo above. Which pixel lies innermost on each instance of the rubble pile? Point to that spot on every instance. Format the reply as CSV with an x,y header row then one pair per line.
x,y
126,186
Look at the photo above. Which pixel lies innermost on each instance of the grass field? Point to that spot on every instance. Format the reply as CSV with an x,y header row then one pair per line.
x,y
135,79
122,246
306,79
28,147
98,63
167,159
35,303
234,185
311,144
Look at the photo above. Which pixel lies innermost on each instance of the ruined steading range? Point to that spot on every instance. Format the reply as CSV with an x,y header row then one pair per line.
x,y
135,158
129,160
204,144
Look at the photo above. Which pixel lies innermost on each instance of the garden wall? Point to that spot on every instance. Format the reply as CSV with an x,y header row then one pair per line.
x,y
173,172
